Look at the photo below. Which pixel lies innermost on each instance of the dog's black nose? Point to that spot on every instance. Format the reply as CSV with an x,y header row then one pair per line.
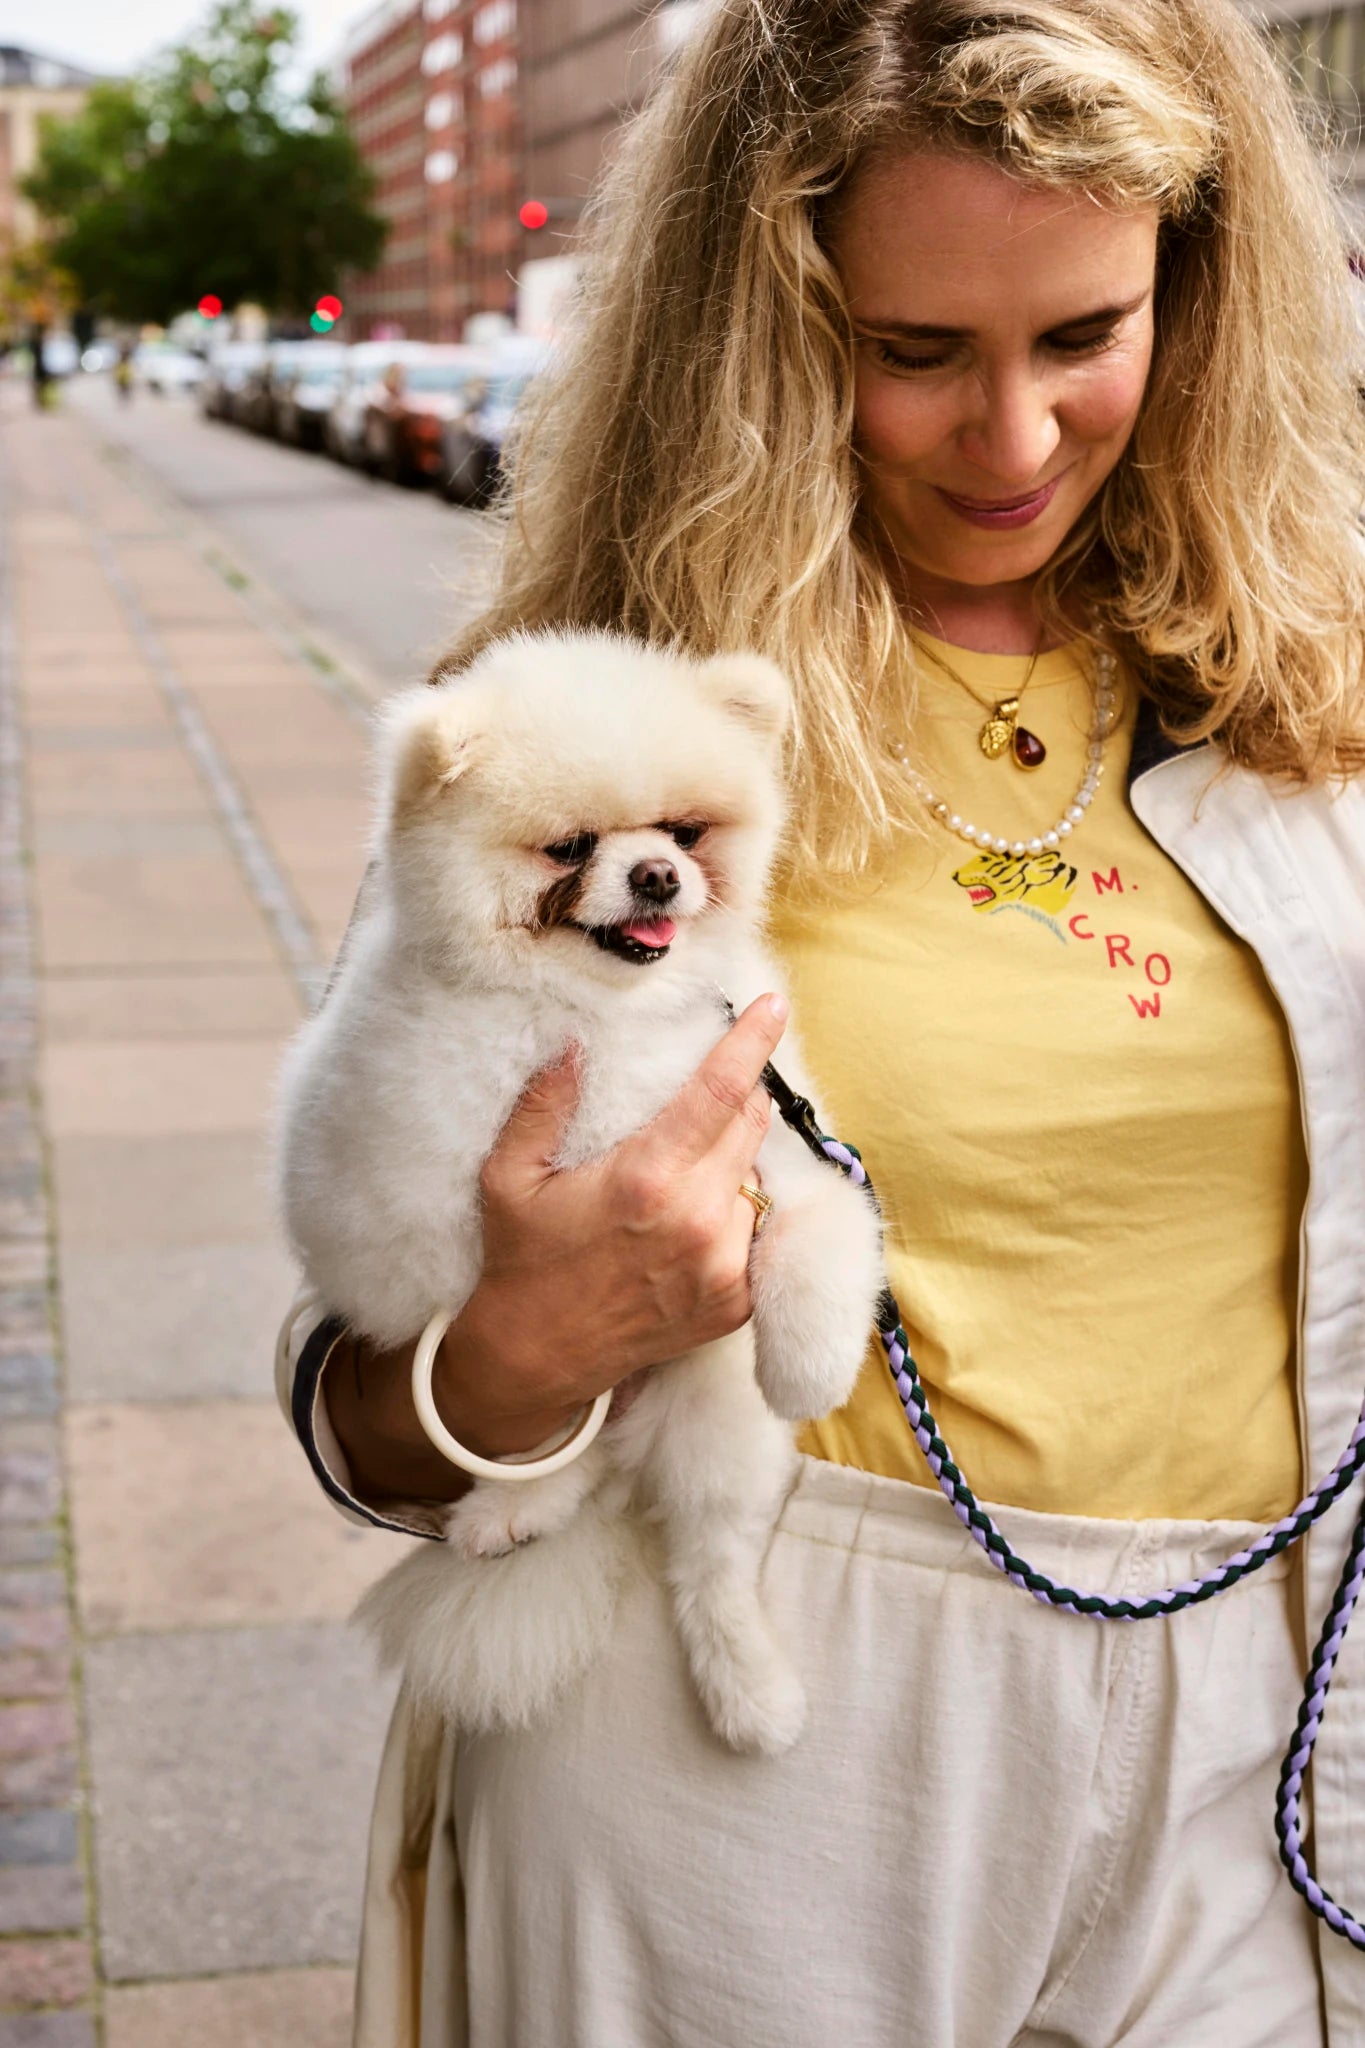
x,y
656,879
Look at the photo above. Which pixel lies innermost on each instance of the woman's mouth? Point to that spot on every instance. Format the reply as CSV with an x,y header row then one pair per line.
x,y
1001,513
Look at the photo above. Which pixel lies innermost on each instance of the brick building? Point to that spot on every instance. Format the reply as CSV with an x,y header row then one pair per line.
x,y
587,65
431,90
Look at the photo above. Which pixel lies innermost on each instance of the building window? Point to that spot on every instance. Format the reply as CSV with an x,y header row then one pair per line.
x,y
497,78
1324,51
443,53
441,110
497,18
437,10
441,166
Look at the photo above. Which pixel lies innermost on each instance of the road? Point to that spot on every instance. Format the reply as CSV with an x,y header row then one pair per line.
x,y
382,575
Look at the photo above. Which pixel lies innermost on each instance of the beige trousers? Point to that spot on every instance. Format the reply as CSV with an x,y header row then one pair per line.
x,y
1004,1824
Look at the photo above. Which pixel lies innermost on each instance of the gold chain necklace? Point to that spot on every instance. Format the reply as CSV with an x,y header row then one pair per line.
x,y
1002,732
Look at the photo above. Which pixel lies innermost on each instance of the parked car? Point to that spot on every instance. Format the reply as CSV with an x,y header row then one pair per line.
x,y
227,371
366,362
305,391
471,447
257,402
416,399
164,368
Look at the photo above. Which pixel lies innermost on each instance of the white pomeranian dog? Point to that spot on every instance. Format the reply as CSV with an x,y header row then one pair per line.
x,y
574,843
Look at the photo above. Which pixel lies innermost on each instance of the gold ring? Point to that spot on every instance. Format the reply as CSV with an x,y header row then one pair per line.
x,y
763,1205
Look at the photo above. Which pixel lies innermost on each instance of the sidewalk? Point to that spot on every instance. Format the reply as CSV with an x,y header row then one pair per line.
x,y
189,1732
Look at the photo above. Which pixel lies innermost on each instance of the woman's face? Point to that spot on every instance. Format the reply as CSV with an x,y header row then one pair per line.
x,y
1004,335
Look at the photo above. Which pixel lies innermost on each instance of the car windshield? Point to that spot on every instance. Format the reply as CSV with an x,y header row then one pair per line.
x,y
436,376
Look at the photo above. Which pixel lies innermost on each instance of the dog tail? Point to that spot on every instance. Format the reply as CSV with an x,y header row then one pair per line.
x,y
495,1643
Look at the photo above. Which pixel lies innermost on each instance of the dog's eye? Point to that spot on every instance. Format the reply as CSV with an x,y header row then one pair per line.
x,y
685,836
571,853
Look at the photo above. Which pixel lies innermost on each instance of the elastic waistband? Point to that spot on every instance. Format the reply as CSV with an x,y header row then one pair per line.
x,y
888,1518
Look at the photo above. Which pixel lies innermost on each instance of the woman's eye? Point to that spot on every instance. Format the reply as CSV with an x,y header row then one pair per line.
x,y
893,359
1093,344
685,836
571,853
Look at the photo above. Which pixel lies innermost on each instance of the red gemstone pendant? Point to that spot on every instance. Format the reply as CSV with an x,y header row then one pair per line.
x,y
1029,751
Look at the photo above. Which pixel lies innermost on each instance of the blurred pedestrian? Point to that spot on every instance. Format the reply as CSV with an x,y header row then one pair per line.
x,y
123,371
991,369
43,381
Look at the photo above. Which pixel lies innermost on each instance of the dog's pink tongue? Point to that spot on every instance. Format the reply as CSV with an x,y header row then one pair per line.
x,y
660,931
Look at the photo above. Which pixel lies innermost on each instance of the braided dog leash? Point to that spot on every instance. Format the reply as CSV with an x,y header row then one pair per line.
x,y
796,1112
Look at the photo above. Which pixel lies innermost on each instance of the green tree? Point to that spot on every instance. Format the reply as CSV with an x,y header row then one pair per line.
x,y
208,174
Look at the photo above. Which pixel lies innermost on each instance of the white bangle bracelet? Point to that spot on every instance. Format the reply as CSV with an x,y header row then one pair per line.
x,y
450,1447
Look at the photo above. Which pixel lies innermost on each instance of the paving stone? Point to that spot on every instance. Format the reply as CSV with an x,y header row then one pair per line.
x,y
23,1313
28,1384
48,1780
42,1899
47,1835
125,782
159,1086
246,1001
276,2009
114,702
27,1543
31,1589
48,1724
205,1514
36,1626
112,912
47,2030
195,1876
189,1323
125,838
34,1973
129,1194
32,1675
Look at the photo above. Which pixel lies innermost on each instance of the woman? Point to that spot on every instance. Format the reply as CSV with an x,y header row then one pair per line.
x,y
949,356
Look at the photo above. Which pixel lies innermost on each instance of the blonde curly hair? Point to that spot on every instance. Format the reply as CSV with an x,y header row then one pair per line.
x,y
688,473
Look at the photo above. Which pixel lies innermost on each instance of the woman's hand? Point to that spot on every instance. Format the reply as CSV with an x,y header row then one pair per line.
x,y
588,1274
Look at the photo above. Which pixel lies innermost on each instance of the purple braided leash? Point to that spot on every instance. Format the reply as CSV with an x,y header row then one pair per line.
x,y
1170,1599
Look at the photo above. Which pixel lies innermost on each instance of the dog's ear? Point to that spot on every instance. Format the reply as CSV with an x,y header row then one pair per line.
x,y
429,740
750,686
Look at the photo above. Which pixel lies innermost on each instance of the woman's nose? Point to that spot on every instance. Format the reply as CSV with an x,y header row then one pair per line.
x,y
1012,433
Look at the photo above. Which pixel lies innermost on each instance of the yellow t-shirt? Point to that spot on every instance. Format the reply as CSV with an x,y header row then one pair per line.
x,y
1077,1099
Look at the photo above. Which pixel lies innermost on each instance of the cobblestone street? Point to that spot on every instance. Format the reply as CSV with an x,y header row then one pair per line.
x,y
189,1730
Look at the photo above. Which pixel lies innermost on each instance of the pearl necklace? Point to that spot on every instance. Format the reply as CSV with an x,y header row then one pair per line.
x,y
1074,814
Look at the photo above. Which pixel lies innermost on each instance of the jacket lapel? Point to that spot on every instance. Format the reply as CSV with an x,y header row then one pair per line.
x,y
1285,869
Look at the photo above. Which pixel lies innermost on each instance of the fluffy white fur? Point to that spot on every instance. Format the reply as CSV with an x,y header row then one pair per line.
x,y
473,969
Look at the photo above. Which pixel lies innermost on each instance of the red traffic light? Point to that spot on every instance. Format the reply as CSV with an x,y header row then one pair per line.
x,y
210,306
533,214
329,307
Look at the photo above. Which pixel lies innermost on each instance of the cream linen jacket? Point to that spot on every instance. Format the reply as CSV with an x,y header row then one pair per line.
x,y
1286,872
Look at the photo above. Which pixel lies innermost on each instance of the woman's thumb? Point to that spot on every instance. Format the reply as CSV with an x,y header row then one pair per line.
x,y
533,1133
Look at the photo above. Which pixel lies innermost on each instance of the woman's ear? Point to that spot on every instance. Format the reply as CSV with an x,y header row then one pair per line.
x,y
427,742
750,687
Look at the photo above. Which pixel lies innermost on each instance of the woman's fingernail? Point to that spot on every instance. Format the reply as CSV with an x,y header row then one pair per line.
x,y
780,1008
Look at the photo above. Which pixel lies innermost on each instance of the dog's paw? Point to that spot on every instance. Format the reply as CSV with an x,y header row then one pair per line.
x,y
486,1523
765,1713
497,1516
816,1277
